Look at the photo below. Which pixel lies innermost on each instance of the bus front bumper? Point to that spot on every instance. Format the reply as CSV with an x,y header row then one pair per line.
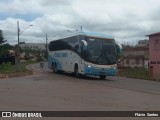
x,y
88,70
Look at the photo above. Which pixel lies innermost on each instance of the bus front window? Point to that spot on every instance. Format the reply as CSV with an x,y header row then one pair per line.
x,y
101,51
94,49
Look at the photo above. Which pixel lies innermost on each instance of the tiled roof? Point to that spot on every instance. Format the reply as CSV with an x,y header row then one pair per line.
x,y
140,48
134,57
157,33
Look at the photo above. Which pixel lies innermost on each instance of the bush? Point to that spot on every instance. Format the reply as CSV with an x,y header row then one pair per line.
x,y
141,73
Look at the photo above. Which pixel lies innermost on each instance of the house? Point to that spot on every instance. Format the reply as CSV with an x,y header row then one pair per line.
x,y
154,55
33,46
135,57
143,42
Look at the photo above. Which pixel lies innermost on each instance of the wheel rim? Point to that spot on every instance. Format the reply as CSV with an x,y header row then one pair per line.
x,y
76,71
54,68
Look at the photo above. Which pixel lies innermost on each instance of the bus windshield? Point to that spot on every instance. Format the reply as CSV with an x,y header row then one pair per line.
x,y
101,51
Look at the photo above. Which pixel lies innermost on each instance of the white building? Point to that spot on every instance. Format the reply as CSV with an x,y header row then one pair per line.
x,y
143,43
34,46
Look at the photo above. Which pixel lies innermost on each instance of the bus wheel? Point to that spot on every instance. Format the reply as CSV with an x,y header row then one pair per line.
x,y
54,68
102,77
76,73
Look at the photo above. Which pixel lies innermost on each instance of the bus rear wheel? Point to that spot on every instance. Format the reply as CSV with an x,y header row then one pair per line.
x,y
76,73
54,68
102,77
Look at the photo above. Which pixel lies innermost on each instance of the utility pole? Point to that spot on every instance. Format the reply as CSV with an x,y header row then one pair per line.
x,y
17,55
46,46
46,42
81,28
17,47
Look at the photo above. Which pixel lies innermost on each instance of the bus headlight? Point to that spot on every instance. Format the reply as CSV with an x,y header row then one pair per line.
x,y
113,67
89,66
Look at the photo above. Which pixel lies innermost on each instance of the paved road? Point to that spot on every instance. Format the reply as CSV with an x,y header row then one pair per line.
x,y
48,91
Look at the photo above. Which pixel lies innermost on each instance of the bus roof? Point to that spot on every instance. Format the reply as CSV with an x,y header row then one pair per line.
x,y
89,34
93,34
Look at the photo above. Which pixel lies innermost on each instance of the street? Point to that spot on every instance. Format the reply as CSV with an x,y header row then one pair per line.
x,y
47,91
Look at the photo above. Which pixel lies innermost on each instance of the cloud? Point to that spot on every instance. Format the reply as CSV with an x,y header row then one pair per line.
x,y
126,20
54,2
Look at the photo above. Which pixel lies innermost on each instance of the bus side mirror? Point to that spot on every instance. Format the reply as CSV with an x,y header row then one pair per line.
x,y
84,45
83,48
118,48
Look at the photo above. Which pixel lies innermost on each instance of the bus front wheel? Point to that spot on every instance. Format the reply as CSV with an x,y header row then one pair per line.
x,y
102,77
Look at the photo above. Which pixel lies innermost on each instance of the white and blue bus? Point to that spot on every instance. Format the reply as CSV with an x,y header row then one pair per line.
x,y
84,53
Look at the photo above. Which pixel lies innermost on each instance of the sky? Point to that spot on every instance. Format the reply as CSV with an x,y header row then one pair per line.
x,y
126,20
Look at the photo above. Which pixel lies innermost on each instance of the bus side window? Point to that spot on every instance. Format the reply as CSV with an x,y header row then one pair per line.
x,y
73,43
77,48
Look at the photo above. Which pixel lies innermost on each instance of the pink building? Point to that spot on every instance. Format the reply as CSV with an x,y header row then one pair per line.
x,y
154,55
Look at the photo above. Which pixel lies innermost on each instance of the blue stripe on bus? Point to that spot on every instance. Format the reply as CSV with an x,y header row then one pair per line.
x,y
98,72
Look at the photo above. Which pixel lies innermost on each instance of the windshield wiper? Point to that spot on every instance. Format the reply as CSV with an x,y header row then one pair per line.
x,y
109,62
99,57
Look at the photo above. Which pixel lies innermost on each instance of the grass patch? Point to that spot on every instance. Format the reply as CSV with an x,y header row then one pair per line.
x,y
140,73
8,70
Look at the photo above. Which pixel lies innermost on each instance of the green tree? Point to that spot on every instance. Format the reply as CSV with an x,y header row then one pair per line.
x,y
45,54
27,57
4,49
2,40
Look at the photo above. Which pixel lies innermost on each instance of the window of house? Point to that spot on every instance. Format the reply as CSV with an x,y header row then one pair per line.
x,y
153,62
127,61
157,44
137,61
158,62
